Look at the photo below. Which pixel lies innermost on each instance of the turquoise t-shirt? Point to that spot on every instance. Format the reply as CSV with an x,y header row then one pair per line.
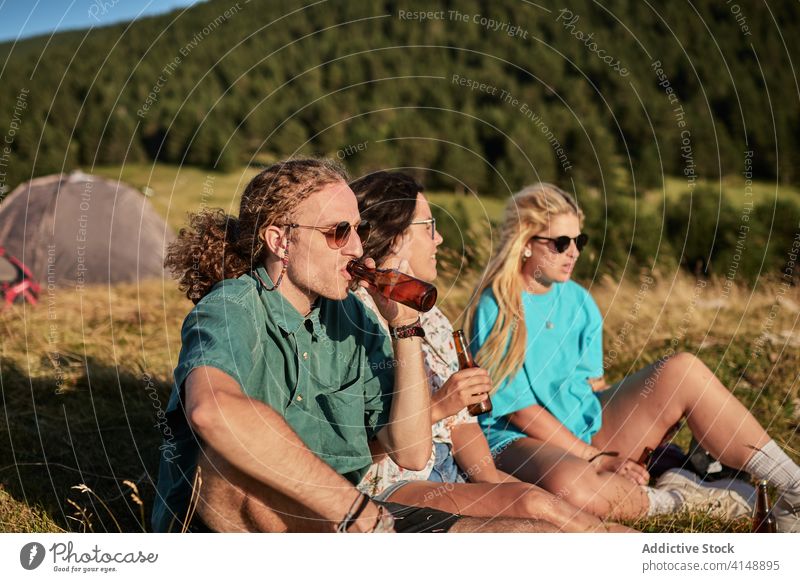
x,y
564,349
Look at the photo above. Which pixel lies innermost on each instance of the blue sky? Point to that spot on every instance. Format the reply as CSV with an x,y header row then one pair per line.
x,y
26,18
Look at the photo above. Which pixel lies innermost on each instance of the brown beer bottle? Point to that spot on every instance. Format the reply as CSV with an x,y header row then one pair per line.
x,y
763,519
397,286
465,361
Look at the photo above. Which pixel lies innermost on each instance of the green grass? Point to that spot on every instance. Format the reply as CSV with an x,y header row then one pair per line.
x,y
176,190
83,376
732,187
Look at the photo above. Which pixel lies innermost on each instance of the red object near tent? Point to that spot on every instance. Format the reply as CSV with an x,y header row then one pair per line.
x,y
16,281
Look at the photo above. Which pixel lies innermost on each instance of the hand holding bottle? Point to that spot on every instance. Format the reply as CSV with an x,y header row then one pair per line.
x,y
464,388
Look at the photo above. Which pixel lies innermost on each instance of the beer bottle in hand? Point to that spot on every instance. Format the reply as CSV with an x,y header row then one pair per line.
x,y
763,519
646,457
465,361
397,286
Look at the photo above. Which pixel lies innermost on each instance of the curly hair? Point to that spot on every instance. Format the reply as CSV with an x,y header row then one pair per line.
x,y
217,246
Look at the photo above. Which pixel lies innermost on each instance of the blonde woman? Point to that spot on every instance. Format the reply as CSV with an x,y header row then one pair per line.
x,y
555,421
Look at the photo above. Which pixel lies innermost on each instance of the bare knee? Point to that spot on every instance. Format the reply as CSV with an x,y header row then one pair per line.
x,y
219,502
578,484
537,503
225,500
676,375
262,518
684,364
586,492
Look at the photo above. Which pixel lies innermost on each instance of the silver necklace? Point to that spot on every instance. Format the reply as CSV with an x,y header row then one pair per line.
x,y
548,324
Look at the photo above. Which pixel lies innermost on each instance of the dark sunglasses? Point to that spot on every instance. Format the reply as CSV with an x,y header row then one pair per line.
x,y
337,236
561,243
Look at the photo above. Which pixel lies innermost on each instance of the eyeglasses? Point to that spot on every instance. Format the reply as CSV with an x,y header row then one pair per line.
x,y
337,236
561,243
432,222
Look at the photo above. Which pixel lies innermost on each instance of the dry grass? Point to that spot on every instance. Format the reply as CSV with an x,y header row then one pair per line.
x,y
80,417
83,375
18,516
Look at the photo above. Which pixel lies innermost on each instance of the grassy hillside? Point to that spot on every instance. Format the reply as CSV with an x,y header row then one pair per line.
x,y
485,94
83,377
175,190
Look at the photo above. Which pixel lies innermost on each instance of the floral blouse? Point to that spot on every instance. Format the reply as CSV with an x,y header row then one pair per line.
x,y
441,362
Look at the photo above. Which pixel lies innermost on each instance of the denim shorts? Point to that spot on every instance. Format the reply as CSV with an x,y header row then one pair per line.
x,y
445,469
501,434
386,493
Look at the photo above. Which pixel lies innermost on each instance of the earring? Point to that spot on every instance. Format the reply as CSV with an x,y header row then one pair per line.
x,y
526,254
284,263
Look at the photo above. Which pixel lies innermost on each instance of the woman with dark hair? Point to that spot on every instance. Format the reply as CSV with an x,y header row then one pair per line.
x,y
404,235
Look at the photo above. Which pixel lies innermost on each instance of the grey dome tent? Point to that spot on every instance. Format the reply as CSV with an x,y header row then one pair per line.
x,y
77,229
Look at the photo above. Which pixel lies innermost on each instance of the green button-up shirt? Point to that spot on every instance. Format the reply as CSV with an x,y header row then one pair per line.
x,y
330,374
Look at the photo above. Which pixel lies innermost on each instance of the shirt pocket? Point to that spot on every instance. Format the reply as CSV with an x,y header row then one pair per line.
x,y
341,407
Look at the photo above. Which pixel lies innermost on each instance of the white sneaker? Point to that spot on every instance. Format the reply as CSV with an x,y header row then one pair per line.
x,y
787,516
743,488
711,497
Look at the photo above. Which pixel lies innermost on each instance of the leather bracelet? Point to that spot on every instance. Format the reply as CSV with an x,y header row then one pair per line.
x,y
353,513
411,330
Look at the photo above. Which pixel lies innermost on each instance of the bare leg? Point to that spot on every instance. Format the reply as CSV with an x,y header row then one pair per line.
x,y
502,525
638,411
604,494
507,500
228,504
230,501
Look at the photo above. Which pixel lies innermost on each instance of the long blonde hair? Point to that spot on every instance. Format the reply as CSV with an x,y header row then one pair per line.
x,y
527,213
